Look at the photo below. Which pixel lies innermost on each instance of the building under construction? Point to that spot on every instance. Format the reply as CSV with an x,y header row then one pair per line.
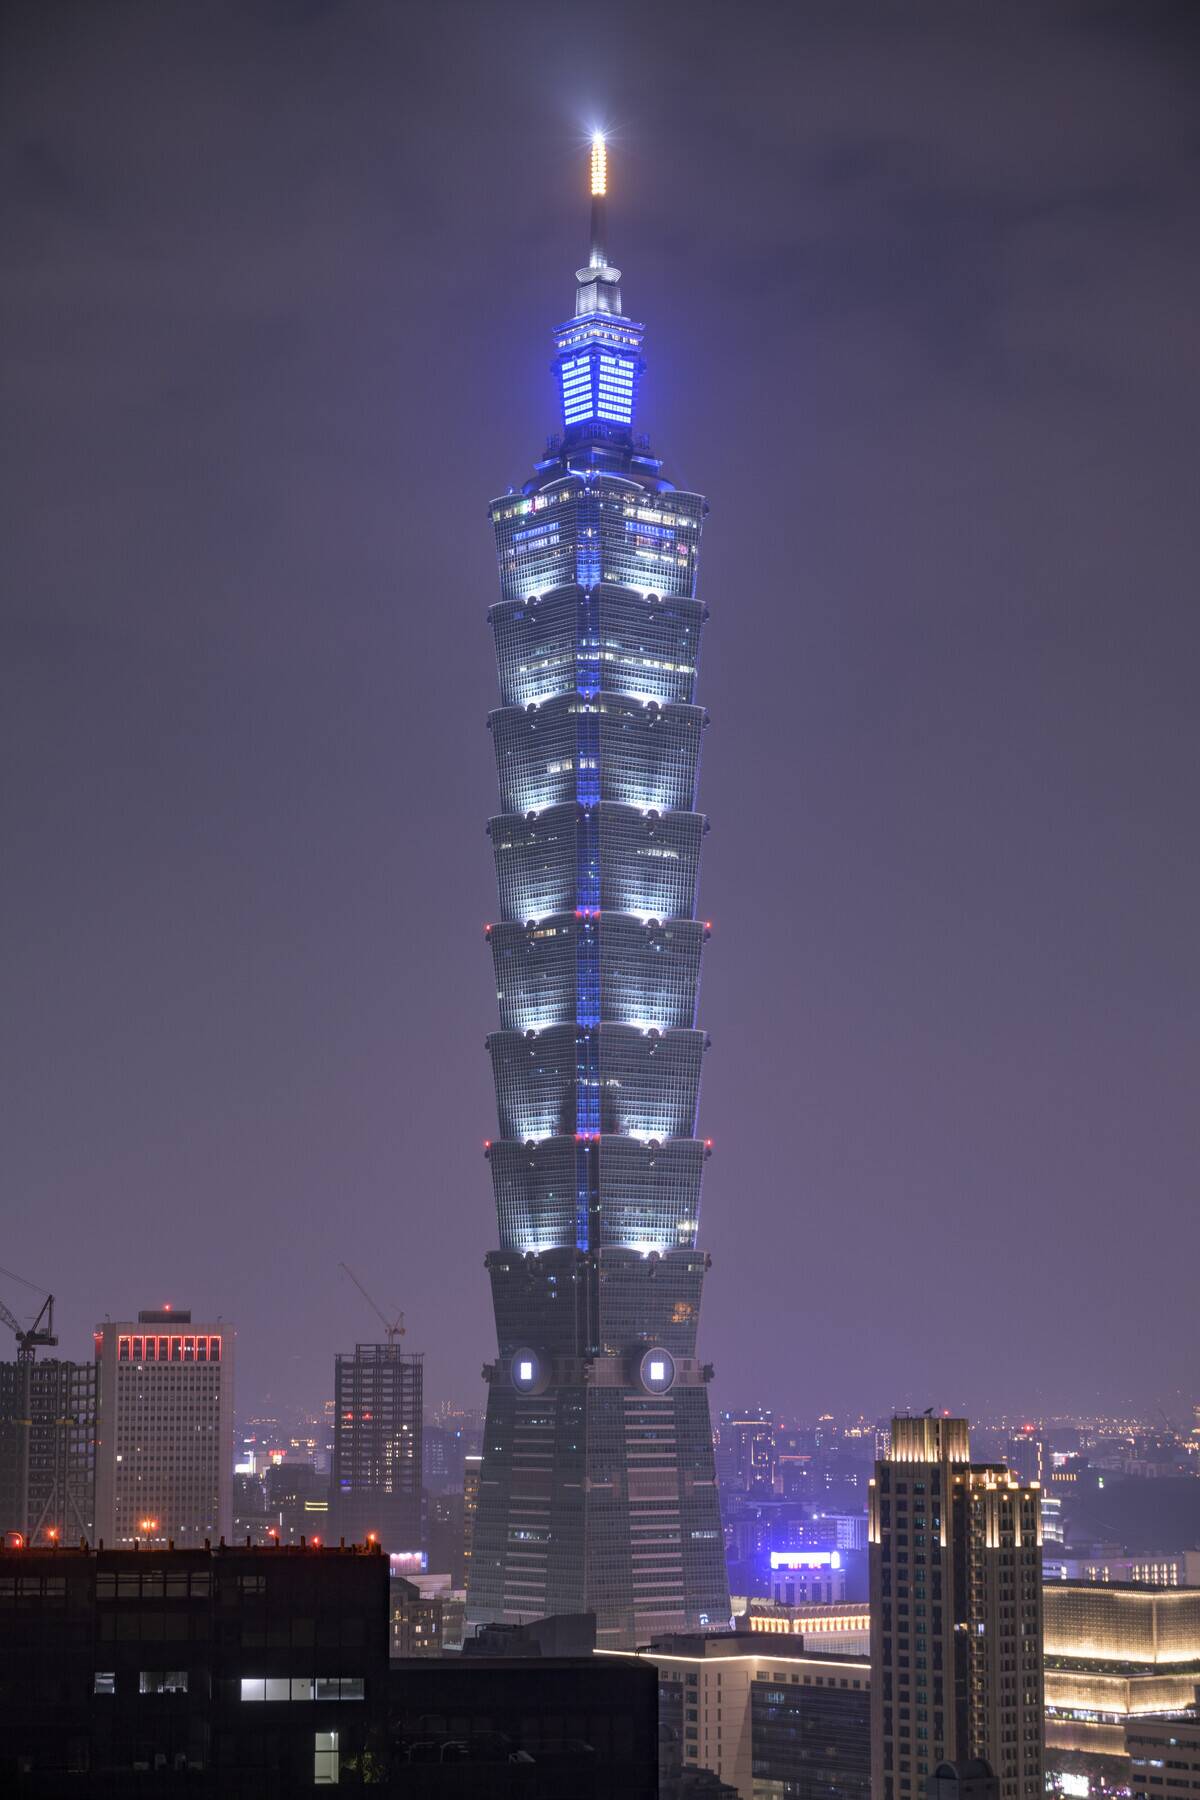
x,y
375,1483
47,1436
47,1450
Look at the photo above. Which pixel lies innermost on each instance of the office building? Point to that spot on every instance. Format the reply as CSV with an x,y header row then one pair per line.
x,y
774,1723
155,1671
1113,1656
588,1725
164,1430
807,1578
47,1449
1164,1754
598,1490
260,1674
956,1614
375,1480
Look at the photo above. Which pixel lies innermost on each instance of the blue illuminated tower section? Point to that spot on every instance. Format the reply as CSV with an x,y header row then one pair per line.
x,y
597,1488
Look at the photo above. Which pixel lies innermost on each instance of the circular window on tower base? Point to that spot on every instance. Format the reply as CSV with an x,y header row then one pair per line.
x,y
657,1370
528,1372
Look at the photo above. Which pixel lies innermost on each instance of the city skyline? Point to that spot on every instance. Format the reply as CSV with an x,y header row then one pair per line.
x,y
953,992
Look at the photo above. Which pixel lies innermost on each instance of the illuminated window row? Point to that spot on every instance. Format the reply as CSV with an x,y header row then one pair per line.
x,y
650,646
647,975
613,858
647,756
641,1194
646,1085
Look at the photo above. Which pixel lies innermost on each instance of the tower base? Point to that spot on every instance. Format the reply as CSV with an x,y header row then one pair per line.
x,y
598,1494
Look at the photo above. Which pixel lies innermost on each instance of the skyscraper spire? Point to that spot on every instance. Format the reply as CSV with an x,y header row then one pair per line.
x,y
599,362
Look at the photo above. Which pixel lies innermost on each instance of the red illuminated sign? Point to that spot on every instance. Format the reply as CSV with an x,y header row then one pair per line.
x,y
176,1347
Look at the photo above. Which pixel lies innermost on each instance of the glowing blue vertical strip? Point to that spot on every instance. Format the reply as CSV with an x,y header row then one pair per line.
x,y
587,754
587,553
587,1084
587,859
587,973
587,646
584,1154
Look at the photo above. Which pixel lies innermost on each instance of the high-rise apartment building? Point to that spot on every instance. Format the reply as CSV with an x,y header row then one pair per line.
x,y
47,1449
164,1430
956,1615
598,1489
375,1482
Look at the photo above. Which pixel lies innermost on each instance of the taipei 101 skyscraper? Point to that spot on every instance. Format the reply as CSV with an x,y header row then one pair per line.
x,y
597,1490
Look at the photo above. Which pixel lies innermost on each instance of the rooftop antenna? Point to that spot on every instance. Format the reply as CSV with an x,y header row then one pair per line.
x,y
599,193
393,1328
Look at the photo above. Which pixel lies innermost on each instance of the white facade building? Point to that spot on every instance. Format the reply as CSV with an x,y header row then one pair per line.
x,y
164,1430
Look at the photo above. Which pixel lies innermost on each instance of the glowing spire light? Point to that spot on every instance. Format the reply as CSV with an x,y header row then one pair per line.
x,y
599,164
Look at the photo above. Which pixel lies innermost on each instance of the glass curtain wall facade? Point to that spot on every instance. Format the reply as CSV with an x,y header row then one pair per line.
x,y
597,1488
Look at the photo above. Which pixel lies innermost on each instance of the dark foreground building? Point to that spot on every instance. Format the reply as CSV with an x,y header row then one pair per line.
x,y
259,1674
597,1490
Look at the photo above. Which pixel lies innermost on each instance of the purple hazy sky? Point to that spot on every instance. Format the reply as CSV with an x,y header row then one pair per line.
x,y
921,290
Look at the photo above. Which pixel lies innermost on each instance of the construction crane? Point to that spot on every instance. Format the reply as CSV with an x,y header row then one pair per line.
x,y
31,1338
393,1328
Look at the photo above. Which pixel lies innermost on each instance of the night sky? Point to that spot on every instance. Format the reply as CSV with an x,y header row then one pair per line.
x,y
921,284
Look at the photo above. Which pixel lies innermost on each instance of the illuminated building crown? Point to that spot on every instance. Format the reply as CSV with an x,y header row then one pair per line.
x,y
599,359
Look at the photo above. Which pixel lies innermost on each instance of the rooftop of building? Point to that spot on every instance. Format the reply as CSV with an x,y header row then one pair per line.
x,y
743,1646
14,1557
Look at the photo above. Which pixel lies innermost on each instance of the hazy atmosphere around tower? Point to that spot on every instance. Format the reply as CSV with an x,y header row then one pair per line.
x,y
919,286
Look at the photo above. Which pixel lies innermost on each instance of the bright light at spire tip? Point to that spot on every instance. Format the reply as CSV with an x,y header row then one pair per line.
x,y
599,164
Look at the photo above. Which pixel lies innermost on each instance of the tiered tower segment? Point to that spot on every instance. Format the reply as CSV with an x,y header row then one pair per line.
x,y
597,1487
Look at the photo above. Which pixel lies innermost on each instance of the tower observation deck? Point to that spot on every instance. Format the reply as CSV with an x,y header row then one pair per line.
x,y
597,1488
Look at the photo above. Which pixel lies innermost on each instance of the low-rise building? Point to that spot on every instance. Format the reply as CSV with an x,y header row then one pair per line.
x,y
1164,1758
1113,1654
768,1721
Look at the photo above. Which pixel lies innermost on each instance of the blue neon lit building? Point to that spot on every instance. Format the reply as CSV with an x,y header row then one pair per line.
x,y
597,1486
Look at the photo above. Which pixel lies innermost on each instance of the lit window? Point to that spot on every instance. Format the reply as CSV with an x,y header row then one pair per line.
x,y
104,1681
325,1759
162,1681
